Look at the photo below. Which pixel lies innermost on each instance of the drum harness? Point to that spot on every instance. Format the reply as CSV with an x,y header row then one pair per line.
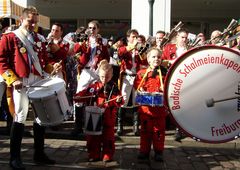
x,y
145,75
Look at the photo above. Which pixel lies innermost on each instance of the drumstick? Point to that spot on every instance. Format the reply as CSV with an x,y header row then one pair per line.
x,y
29,86
54,70
113,99
211,102
83,97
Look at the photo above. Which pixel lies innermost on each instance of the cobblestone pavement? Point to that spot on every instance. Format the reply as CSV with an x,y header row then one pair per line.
x,y
71,154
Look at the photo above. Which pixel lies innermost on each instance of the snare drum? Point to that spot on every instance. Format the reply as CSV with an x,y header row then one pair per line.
x,y
149,99
93,122
49,101
194,84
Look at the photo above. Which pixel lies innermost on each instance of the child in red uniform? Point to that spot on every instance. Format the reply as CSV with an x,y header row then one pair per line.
x,y
152,118
102,146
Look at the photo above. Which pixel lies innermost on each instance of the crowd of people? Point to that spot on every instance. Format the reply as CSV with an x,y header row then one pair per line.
x,y
100,74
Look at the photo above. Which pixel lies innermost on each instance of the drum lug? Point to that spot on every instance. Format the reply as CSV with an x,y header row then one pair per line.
x,y
196,139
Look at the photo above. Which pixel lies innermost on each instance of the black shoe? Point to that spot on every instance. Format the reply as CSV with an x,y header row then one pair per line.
x,y
158,157
143,156
119,132
93,159
16,164
136,133
43,159
179,136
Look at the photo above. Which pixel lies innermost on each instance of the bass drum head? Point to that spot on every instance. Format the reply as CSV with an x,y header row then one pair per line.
x,y
202,93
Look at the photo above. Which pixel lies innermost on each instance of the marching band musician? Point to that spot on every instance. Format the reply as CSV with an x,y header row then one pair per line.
x,y
114,58
72,66
215,37
236,42
91,52
23,57
152,118
106,95
130,64
173,50
202,38
159,37
57,48
170,53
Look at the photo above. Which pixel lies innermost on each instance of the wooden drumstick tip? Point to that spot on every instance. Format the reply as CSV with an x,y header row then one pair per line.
x,y
211,102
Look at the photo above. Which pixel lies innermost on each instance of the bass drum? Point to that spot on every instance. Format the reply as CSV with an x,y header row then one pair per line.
x,y
202,93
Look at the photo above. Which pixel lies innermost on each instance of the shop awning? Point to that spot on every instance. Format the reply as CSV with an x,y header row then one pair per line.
x,y
9,9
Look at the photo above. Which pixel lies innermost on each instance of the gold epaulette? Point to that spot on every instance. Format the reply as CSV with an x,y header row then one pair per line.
x,y
9,76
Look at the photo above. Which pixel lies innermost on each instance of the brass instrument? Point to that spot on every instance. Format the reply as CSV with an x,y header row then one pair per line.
x,y
144,48
233,24
193,44
170,35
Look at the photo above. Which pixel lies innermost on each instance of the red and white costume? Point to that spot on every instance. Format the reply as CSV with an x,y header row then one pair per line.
x,y
102,146
90,54
171,52
130,64
16,63
60,54
152,118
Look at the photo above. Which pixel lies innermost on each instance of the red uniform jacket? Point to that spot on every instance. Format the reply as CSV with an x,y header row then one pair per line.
x,y
169,52
14,57
101,93
84,51
60,54
126,59
150,84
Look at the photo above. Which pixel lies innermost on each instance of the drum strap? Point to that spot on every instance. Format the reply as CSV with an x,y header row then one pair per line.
x,y
145,75
32,54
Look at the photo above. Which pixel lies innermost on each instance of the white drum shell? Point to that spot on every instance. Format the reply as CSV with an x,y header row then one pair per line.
x,y
94,114
49,103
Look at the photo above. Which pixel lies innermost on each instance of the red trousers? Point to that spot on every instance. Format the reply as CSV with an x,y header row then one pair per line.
x,y
152,132
100,145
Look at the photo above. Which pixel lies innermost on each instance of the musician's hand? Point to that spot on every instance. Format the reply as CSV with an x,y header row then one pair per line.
x,y
81,42
57,67
54,48
135,42
171,61
119,99
17,84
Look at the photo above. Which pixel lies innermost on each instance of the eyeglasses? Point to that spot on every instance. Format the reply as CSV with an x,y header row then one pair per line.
x,y
92,28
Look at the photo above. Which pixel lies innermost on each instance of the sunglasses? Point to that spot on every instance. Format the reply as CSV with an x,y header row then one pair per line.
x,y
93,28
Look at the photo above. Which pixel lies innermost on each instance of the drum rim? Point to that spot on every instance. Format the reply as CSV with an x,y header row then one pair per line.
x,y
168,78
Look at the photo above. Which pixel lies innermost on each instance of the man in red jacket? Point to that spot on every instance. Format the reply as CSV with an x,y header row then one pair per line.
x,y
131,62
175,49
90,52
57,47
170,53
23,59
